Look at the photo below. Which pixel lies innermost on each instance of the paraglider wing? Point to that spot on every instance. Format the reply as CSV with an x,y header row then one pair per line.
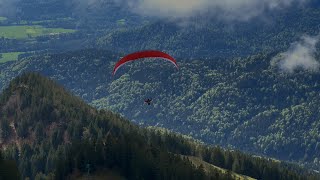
x,y
144,54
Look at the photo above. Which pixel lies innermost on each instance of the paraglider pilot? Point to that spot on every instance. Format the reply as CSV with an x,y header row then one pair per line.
x,y
148,101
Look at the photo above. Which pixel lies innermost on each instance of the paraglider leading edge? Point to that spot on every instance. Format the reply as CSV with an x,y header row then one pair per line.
x,y
144,54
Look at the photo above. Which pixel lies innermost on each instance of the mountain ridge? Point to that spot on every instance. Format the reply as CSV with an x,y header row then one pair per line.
x,y
44,103
214,38
195,103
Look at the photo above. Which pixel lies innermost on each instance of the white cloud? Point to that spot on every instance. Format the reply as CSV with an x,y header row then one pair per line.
x,y
301,55
225,9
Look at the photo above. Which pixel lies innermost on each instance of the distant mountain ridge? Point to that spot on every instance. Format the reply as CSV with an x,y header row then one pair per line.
x,y
59,136
240,103
55,131
216,38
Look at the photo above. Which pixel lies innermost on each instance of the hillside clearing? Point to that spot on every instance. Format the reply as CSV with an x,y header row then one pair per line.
x,y
24,32
11,56
209,167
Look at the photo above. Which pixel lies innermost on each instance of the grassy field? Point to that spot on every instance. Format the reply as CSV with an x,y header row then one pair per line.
x,y
209,167
12,56
24,22
24,32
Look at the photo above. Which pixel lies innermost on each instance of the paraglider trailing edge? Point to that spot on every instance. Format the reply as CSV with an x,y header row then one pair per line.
x,y
144,54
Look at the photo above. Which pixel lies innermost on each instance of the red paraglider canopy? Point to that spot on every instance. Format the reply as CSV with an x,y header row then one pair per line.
x,y
144,54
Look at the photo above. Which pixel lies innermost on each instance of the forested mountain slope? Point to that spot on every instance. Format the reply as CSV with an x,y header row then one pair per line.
x,y
92,16
208,38
51,133
243,103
